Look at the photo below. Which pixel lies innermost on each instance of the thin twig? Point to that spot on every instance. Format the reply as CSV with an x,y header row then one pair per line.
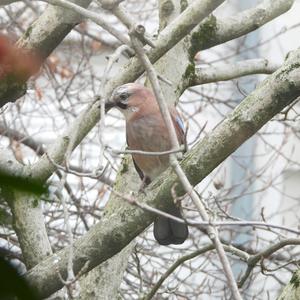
x,y
254,259
97,174
122,15
112,59
228,248
130,199
141,152
96,18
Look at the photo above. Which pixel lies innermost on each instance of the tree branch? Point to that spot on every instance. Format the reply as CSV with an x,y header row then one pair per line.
x,y
254,259
230,71
214,31
190,256
28,219
95,17
40,150
226,29
114,232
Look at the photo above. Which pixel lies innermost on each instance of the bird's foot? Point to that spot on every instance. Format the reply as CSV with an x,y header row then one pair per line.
x,y
142,188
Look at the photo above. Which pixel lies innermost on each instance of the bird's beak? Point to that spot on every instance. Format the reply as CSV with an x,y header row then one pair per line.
x,y
109,104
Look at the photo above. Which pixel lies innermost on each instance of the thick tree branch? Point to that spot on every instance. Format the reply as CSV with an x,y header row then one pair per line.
x,y
215,31
114,232
235,70
28,219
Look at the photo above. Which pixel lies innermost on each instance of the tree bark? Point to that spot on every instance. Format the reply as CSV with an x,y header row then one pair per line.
x,y
28,219
103,282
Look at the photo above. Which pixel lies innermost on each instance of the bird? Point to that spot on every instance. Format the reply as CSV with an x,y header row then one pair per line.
x,y
146,131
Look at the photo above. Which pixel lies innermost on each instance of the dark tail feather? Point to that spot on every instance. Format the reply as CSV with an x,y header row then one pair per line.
x,y
167,231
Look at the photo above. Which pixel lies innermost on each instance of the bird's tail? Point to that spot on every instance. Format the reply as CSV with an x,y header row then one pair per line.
x,y
167,231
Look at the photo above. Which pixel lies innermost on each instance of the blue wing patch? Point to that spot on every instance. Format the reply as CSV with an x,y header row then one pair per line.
x,y
180,123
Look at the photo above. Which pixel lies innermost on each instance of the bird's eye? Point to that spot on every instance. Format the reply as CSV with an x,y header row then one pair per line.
x,y
123,96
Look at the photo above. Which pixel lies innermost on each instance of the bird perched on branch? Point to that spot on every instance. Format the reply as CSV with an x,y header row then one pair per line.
x,y
146,131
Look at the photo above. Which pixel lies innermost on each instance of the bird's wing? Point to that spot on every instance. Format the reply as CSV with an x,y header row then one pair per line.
x,y
139,171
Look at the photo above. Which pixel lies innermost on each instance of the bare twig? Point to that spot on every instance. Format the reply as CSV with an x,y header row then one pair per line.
x,y
130,199
122,15
141,152
39,148
112,59
242,255
254,259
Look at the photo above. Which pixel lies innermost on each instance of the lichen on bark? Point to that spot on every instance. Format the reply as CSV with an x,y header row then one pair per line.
x,y
204,34
295,280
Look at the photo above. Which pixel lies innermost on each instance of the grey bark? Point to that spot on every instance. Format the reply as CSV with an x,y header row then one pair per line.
x,y
214,31
103,282
235,70
28,219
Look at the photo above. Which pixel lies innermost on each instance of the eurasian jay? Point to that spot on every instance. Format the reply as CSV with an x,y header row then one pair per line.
x,y
146,131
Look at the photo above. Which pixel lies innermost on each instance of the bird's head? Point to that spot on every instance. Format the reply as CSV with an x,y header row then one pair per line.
x,y
129,98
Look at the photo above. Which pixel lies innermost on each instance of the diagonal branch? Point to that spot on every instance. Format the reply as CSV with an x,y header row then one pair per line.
x,y
115,231
39,149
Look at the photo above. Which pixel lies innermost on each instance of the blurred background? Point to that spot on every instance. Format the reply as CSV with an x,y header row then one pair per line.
x,y
260,181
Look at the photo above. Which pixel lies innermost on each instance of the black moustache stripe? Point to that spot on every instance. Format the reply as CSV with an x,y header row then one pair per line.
x,y
122,105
